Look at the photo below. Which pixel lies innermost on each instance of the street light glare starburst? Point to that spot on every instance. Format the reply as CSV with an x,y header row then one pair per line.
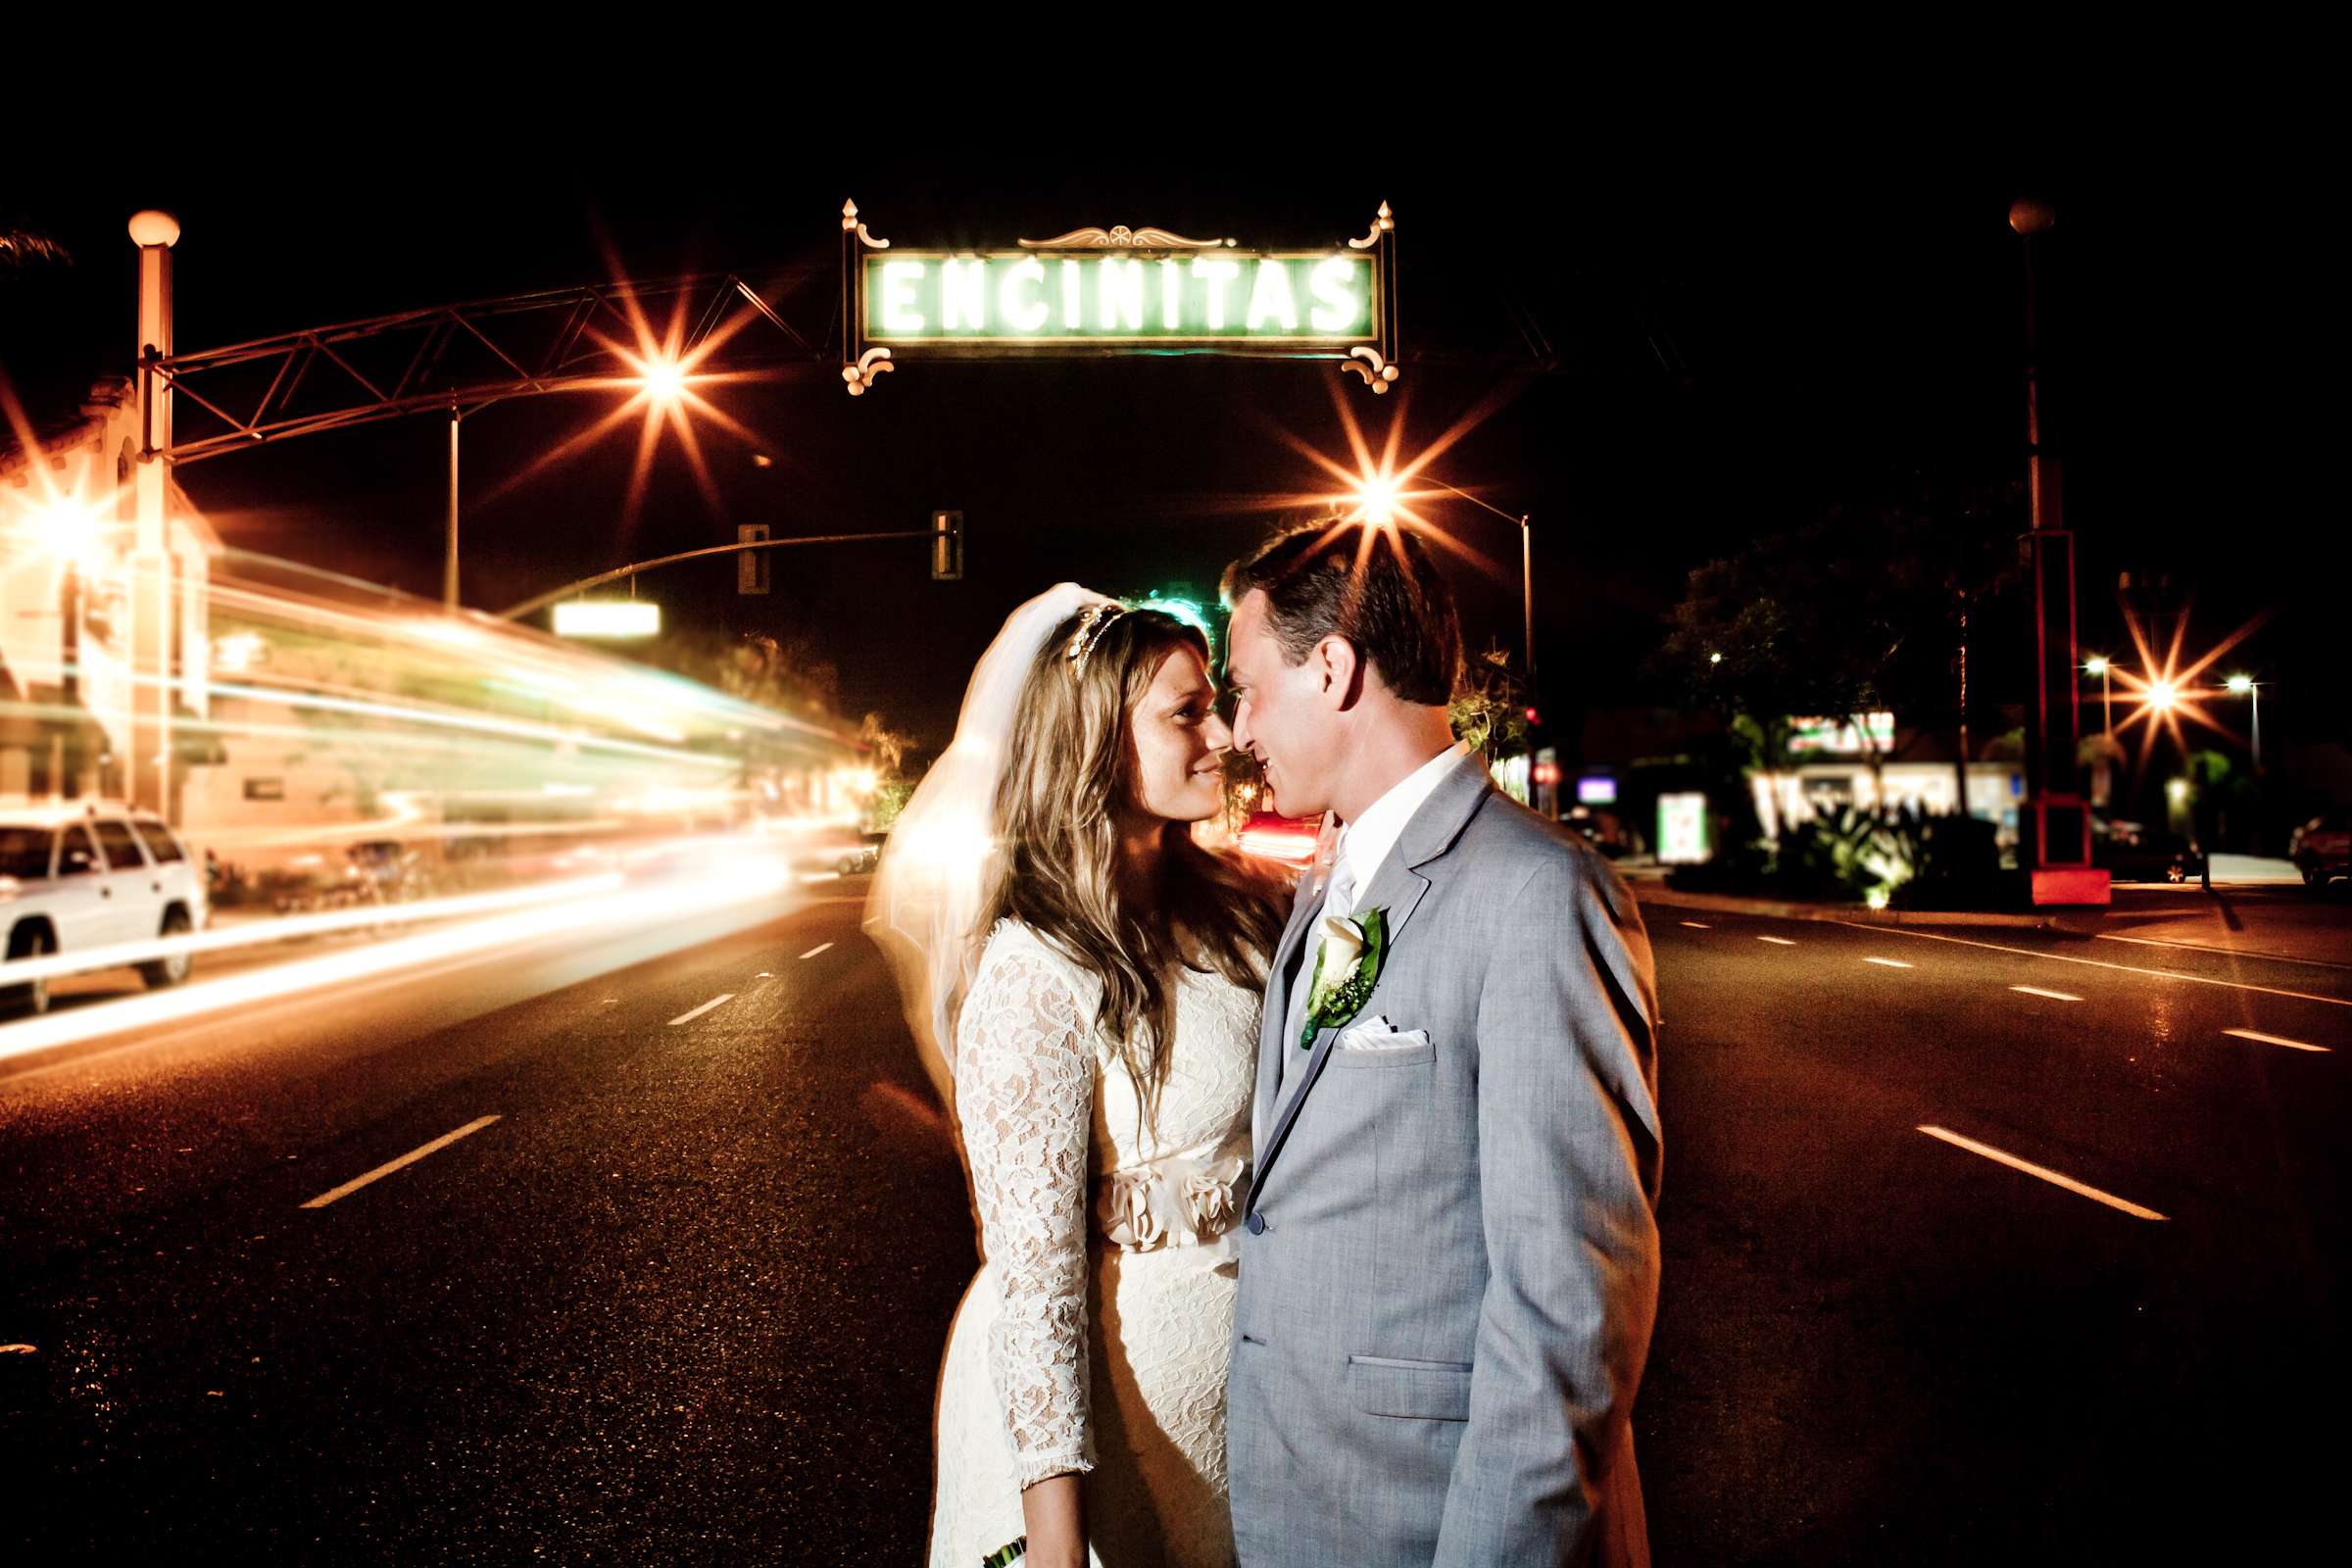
x,y
663,374
1385,493
2165,689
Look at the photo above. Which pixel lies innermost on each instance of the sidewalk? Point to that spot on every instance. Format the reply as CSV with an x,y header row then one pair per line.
x,y
2254,911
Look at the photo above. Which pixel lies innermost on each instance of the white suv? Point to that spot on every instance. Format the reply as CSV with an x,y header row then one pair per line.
x,y
77,879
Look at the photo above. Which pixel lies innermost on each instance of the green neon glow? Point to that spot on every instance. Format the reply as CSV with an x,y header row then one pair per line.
x,y
1227,297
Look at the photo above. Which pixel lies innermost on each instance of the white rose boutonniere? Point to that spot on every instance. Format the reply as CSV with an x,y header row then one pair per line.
x,y
1347,967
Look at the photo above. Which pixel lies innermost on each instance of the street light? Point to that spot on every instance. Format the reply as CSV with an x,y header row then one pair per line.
x,y
661,380
1377,498
2163,696
2096,664
2247,686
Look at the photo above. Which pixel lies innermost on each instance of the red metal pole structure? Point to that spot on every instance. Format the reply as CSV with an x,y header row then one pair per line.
x,y
2056,827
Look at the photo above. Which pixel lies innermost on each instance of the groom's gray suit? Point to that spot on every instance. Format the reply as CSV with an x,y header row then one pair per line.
x,y
1449,1260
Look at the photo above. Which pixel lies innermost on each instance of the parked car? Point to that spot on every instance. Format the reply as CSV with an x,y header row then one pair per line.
x,y
96,876
2134,851
2321,848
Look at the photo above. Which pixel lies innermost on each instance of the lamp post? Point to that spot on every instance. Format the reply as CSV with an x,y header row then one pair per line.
x,y
1377,498
2247,686
2099,665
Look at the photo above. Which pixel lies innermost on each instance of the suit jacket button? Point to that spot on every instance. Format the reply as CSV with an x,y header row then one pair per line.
x,y
1256,1223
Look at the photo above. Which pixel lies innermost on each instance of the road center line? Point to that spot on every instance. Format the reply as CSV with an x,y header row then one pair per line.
x,y
821,946
2274,1040
1778,942
688,1017
2099,964
1696,926
2054,995
409,1158
2054,1178
1888,964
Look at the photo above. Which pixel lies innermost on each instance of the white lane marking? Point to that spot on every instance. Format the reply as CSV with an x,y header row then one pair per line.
x,y
1778,942
1696,926
2099,964
2054,995
2054,1178
2274,1040
2227,952
821,946
1888,964
688,1017
389,1166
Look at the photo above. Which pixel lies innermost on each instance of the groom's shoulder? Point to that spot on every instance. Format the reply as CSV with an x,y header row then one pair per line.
x,y
1526,852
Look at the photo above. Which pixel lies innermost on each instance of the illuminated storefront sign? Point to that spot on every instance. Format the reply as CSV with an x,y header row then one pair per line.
x,y
1117,291
1683,829
1840,736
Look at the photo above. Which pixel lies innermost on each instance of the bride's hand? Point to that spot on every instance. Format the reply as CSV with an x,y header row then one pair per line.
x,y
1053,1512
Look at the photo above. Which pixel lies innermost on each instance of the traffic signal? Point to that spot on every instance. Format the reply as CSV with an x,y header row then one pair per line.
x,y
1531,718
947,546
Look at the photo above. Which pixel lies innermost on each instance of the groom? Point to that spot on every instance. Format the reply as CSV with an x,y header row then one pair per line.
x,y
1450,1264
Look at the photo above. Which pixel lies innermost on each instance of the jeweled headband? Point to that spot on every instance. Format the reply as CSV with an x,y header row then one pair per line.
x,y
1092,625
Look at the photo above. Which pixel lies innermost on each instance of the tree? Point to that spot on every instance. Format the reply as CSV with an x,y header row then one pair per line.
x,y
1868,609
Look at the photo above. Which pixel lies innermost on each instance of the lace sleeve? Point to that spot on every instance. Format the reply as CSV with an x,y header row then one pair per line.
x,y
1026,1090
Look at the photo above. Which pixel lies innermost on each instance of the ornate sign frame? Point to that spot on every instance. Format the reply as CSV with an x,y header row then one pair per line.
x,y
1370,354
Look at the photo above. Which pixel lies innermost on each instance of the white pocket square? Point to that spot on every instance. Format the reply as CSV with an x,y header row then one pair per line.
x,y
1381,1035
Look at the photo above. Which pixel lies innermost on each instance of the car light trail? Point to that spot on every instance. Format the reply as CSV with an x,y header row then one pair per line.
x,y
634,906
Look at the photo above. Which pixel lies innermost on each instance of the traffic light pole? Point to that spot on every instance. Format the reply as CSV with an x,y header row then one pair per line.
x,y
517,611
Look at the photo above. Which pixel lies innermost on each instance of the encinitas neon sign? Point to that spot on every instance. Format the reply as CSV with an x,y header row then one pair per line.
x,y
1117,291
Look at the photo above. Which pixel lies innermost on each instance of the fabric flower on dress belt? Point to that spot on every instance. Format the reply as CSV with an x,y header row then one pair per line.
x,y
1130,1219
1209,1195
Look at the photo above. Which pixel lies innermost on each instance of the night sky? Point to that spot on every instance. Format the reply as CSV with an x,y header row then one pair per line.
x,y
1688,335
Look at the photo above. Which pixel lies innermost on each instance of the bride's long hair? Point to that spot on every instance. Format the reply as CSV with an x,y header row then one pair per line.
x,y
1067,771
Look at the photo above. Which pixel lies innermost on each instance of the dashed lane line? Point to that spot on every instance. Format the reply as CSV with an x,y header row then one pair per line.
x,y
2274,1040
1888,964
1778,942
2099,964
688,1017
1696,926
389,1166
2054,1178
2054,995
821,946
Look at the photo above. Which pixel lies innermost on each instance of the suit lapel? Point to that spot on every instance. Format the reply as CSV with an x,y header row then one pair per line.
x,y
1271,1023
1397,888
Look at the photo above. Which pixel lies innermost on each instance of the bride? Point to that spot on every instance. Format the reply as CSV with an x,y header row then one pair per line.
x,y
1091,978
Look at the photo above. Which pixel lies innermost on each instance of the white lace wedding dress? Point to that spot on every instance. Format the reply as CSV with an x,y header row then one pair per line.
x,y
1095,1335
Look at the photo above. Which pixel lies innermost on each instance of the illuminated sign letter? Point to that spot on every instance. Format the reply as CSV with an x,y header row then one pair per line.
x,y
962,295
1023,314
1119,288
1270,297
1072,318
899,280
1220,272
1172,295
1337,305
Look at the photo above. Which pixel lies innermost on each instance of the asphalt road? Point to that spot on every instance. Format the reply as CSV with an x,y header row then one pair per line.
x,y
1877,1345
684,1299
681,1301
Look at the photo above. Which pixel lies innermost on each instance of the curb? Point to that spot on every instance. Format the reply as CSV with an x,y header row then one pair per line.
x,y
2071,922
